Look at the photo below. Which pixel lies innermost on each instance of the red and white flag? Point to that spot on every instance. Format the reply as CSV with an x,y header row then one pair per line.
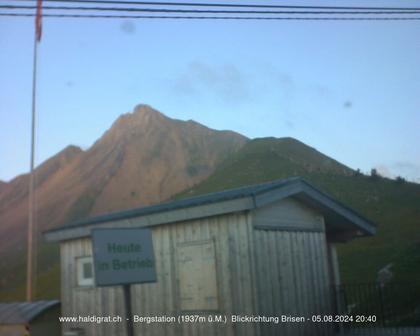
x,y
38,20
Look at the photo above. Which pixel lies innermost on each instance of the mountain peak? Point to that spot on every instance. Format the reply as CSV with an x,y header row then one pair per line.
x,y
142,116
144,109
70,150
147,114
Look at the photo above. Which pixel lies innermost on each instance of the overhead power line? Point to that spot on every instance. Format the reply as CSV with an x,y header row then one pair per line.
x,y
198,11
172,17
178,12
193,4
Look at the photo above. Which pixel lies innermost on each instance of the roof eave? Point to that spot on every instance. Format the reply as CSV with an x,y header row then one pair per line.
x,y
172,216
293,188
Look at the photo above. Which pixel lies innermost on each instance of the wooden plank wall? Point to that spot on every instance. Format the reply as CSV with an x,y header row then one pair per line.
x,y
259,271
234,263
292,279
288,214
86,301
230,235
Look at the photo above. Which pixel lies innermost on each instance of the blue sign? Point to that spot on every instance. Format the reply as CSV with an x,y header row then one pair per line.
x,y
123,256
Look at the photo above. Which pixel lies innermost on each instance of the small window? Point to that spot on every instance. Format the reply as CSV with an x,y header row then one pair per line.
x,y
85,276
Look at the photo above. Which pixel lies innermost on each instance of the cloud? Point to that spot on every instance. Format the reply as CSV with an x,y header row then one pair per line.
x,y
225,82
256,85
233,85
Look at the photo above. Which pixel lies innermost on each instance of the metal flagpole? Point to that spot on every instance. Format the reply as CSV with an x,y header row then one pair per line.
x,y
29,270
31,182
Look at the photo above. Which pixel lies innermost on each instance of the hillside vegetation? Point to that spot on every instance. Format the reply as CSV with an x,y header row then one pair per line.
x,y
394,206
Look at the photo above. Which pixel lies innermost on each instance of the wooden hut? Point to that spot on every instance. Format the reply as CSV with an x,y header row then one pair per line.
x,y
258,256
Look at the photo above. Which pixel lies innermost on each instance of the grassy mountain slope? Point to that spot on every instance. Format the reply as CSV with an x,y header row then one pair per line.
x,y
395,206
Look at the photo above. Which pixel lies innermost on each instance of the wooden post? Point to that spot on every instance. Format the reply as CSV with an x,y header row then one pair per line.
x,y
128,313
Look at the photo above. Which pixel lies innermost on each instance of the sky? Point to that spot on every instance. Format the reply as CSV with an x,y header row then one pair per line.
x,y
349,89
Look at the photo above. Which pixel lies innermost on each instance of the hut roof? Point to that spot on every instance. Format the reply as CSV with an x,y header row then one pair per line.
x,y
24,312
228,201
